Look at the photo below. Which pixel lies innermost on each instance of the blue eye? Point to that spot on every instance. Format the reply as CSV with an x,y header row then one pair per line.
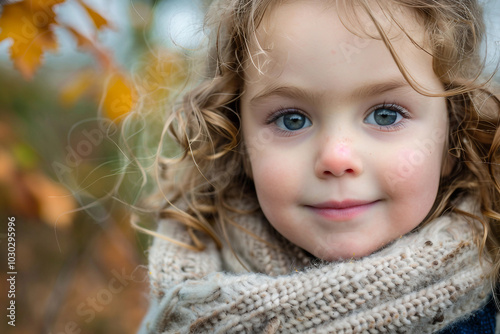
x,y
386,115
292,121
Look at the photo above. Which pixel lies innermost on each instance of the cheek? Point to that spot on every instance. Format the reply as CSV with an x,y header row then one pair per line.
x,y
413,181
413,164
274,174
278,176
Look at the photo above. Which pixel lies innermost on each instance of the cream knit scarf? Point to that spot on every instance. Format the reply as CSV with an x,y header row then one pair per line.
x,y
418,284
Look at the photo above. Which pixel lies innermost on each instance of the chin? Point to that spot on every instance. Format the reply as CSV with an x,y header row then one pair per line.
x,y
334,255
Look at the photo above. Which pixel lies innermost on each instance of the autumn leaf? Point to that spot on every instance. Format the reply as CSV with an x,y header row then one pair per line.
x,y
28,25
56,204
28,192
161,73
118,97
112,89
96,18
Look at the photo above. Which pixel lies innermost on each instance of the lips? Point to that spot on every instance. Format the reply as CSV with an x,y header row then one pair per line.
x,y
341,211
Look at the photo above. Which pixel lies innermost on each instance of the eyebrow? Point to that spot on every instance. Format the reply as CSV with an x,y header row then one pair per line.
x,y
367,90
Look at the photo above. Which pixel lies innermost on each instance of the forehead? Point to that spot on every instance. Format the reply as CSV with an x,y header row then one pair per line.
x,y
327,41
356,16
347,22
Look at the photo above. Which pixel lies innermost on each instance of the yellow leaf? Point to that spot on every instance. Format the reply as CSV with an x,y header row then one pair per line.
x,y
28,24
162,73
98,20
118,97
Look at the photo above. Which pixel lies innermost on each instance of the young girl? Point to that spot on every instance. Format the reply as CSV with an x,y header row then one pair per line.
x,y
339,174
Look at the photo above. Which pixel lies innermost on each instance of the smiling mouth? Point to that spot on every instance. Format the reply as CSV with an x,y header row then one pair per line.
x,y
341,211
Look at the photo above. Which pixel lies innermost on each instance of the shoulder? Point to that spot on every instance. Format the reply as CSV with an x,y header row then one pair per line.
x,y
481,321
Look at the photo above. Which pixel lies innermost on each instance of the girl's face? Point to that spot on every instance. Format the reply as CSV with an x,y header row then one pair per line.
x,y
345,155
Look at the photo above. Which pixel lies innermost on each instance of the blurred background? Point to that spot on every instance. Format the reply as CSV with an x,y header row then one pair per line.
x,y
70,71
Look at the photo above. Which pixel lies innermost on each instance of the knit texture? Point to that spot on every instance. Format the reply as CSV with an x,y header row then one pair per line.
x,y
420,283
483,321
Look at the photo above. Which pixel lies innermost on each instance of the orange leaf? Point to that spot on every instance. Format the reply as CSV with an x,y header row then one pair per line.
x,y
55,202
28,24
118,97
98,20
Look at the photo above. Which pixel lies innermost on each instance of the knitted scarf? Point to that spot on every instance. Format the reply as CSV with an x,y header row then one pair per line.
x,y
420,283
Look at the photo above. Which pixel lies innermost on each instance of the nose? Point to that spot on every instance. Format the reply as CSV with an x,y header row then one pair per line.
x,y
336,157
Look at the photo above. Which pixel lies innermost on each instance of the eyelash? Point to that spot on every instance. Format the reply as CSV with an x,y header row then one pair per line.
x,y
275,115
282,111
394,107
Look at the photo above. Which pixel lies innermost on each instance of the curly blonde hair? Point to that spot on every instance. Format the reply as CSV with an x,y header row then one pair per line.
x,y
212,169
